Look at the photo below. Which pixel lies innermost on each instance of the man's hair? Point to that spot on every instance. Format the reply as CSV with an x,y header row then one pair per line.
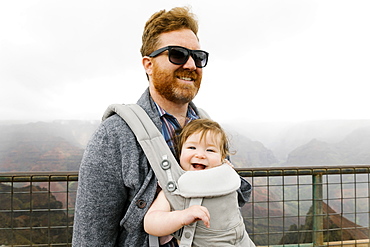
x,y
165,21
203,126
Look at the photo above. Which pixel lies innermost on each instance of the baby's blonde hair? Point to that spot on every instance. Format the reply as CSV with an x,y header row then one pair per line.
x,y
204,126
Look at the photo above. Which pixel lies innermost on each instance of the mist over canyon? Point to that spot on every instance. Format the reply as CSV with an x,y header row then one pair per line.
x,y
59,145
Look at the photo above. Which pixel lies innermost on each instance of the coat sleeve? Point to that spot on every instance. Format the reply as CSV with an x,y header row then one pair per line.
x,y
101,195
244,192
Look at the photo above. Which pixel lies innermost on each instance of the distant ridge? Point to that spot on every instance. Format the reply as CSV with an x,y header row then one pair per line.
x,y
59,145
54,146
353,149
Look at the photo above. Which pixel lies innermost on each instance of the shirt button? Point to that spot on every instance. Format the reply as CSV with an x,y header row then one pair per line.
x,y
141,203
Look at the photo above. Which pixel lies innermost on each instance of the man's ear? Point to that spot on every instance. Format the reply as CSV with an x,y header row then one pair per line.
x,y
148,65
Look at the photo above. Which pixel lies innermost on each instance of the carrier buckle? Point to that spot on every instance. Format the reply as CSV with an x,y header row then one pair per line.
x,y
165,164
171,186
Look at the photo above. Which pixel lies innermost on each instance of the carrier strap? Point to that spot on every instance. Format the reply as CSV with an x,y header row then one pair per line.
x,y
153,241
189,230
155,147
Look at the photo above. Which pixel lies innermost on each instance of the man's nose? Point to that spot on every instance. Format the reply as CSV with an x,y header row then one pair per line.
x,y
190,64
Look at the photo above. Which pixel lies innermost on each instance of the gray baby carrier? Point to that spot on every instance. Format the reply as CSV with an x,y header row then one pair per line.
x,y
213,188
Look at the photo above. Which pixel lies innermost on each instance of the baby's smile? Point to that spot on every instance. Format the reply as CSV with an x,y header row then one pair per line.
x,y
198,166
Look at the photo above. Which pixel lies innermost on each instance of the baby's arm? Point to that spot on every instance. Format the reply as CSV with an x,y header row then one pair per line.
x,y
161,221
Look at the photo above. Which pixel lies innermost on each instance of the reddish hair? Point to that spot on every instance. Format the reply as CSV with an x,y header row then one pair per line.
x,y
166,21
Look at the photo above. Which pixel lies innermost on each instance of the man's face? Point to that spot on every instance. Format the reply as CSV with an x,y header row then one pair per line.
x,y
176,83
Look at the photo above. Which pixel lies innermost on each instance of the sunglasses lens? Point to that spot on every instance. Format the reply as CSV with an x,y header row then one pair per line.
x,y
178,55
200,59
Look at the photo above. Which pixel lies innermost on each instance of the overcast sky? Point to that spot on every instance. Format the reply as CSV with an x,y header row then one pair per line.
x,y
270,60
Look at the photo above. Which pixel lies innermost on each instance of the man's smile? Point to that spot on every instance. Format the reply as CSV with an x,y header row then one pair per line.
x,y
185,78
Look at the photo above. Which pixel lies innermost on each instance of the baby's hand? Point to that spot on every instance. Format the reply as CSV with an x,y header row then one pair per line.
x,y
195,213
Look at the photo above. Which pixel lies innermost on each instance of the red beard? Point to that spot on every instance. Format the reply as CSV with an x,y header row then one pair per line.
x,y
167,85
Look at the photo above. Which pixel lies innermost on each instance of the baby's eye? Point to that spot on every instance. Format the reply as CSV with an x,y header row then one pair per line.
x,y
211,150
191,147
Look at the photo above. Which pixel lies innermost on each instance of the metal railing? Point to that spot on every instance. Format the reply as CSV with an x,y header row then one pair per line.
x,y
300,206
36,209
309,206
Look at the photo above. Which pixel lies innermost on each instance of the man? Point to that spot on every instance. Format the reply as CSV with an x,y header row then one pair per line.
x,y
116,182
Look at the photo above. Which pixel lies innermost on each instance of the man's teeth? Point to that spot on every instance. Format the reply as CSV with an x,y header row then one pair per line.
x,y
185,78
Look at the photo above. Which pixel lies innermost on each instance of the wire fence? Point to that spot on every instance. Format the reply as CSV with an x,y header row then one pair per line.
x,y
308,206
301,206
36,209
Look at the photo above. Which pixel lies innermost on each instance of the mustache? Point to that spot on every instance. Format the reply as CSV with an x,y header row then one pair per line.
x,y
186,73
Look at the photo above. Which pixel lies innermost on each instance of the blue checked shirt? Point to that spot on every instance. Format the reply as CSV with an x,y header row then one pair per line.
x,y
170,125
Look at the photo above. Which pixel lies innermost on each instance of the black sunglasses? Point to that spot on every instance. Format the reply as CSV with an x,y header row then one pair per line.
x,y
179,55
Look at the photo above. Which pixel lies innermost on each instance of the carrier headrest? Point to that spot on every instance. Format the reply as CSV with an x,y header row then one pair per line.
x,y
217,181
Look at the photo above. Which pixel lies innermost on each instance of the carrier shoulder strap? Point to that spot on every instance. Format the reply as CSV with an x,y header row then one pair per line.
x,y
155,147
203,113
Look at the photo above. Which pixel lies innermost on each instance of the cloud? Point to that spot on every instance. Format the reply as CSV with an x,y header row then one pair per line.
x,y
269,60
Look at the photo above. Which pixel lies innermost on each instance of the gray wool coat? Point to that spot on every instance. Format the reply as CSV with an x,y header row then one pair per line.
x,y
117,185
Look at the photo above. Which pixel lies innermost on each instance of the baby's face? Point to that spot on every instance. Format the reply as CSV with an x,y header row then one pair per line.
x,y
200,154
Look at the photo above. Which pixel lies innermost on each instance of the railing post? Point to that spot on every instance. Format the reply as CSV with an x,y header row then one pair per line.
x,y
318,222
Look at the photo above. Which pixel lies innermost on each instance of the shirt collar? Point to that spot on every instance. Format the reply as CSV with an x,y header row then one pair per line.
x,y
190,114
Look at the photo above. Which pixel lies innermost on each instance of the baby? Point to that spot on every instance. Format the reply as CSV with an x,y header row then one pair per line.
x,y
202,145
